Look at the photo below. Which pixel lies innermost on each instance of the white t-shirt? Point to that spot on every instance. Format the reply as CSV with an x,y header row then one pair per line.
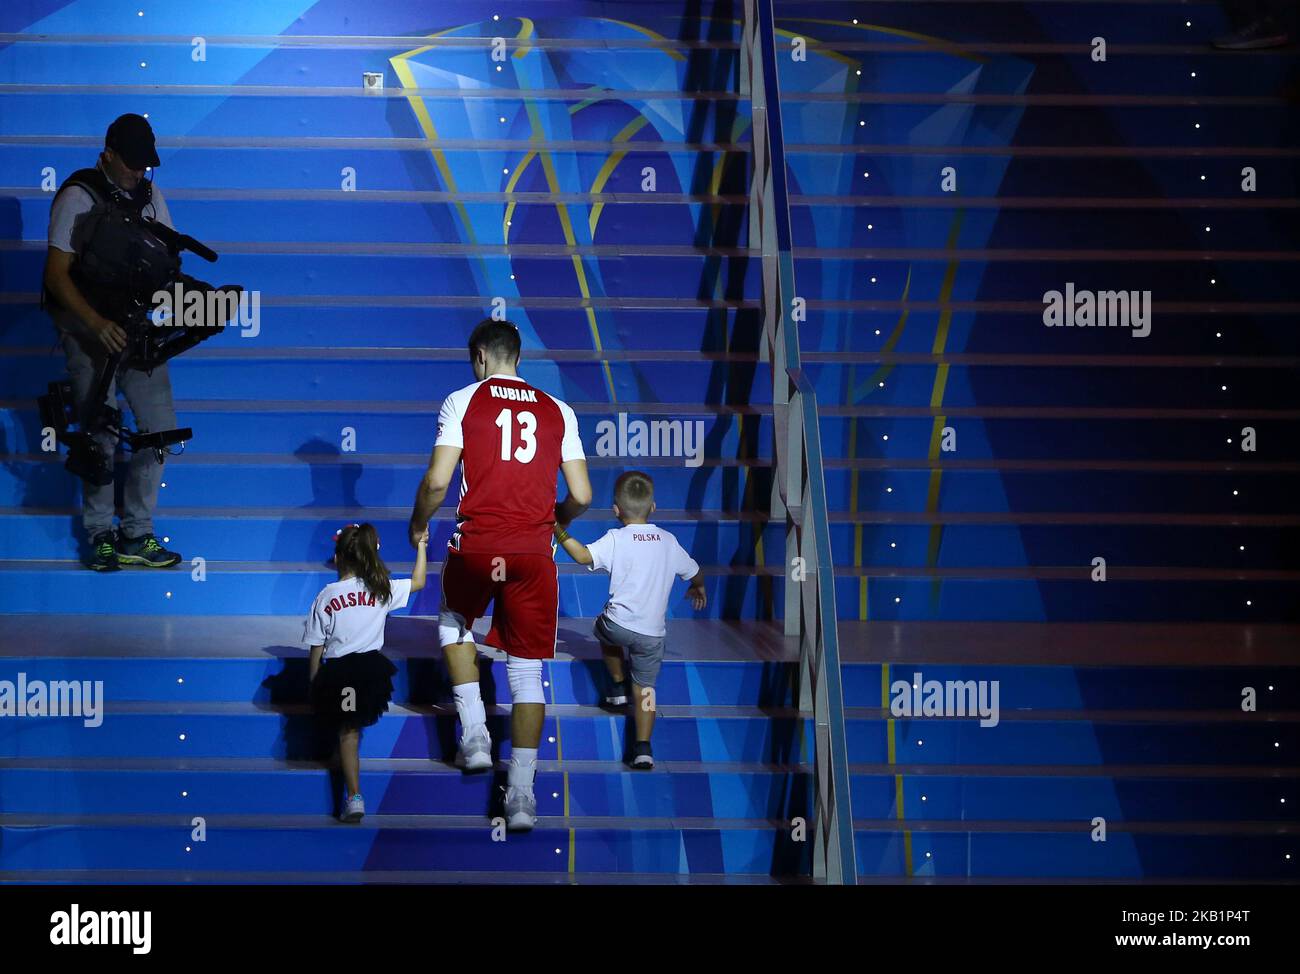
x,y
641,560
346,618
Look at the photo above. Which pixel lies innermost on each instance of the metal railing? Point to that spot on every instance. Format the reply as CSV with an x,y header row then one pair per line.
x,y
799,488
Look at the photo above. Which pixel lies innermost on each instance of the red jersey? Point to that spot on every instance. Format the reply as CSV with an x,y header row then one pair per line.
x,y
513,439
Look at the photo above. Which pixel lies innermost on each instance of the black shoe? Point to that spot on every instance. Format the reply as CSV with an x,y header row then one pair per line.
x,y
642,759
1255,36
144,550
617,696
103,553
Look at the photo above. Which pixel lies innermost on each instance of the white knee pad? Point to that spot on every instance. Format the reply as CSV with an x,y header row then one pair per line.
x,y
525,679
452,629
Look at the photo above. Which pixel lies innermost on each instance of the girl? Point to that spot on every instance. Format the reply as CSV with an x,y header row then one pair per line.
x,y
345,631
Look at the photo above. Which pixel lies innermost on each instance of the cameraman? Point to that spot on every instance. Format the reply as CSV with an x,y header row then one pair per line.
x,y
89,338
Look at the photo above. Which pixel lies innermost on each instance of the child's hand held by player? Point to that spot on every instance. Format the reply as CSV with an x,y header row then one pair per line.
x,y
697,596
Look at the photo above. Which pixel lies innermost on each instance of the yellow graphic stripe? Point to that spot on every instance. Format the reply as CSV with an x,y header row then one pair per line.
x,y
510,188
936,402
525,32
891,733
570,239
405,75
607,169
647,32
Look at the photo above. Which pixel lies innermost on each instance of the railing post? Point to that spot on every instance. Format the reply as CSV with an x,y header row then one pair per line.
x,y
799,484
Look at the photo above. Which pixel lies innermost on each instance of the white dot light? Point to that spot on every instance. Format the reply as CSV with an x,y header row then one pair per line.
x,y
182,737
551,739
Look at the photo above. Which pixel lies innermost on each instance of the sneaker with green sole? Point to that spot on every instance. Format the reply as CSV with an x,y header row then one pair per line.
x,y
103,553
144,550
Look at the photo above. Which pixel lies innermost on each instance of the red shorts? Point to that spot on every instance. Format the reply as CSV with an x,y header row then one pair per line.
x,y
524,591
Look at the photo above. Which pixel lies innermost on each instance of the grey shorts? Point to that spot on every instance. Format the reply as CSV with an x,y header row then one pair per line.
x,y
645,653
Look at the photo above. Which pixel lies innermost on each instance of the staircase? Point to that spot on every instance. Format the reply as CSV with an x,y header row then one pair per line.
x,y
977,462
593,181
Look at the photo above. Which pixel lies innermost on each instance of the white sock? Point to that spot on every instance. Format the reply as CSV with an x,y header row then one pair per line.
x,y
523,766
469,707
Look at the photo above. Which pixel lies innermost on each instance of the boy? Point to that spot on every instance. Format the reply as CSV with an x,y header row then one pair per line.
x,y
641,560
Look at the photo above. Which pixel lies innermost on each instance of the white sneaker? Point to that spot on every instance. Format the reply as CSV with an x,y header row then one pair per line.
x,y
521,809
354,809
475,753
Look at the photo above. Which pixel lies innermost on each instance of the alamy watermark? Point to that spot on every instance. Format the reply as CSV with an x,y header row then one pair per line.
x,y
653,438
183,307
1098,309
53,698
946,698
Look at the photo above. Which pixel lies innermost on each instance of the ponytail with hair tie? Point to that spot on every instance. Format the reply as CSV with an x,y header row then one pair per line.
x,y
356,548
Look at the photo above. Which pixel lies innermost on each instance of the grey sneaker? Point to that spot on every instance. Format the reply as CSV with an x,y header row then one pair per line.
x,y
144,550
521,809
475,753
643,758
103,553
354,809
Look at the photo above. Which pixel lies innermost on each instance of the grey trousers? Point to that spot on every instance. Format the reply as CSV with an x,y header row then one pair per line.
x,y
150,400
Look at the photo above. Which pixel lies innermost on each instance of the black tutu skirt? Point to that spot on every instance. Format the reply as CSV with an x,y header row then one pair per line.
x,y
370,678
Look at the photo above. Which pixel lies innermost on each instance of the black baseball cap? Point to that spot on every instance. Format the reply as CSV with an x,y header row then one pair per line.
x,y
131,137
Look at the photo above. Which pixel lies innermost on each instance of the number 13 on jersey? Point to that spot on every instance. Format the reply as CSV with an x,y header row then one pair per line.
x,y
527,435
